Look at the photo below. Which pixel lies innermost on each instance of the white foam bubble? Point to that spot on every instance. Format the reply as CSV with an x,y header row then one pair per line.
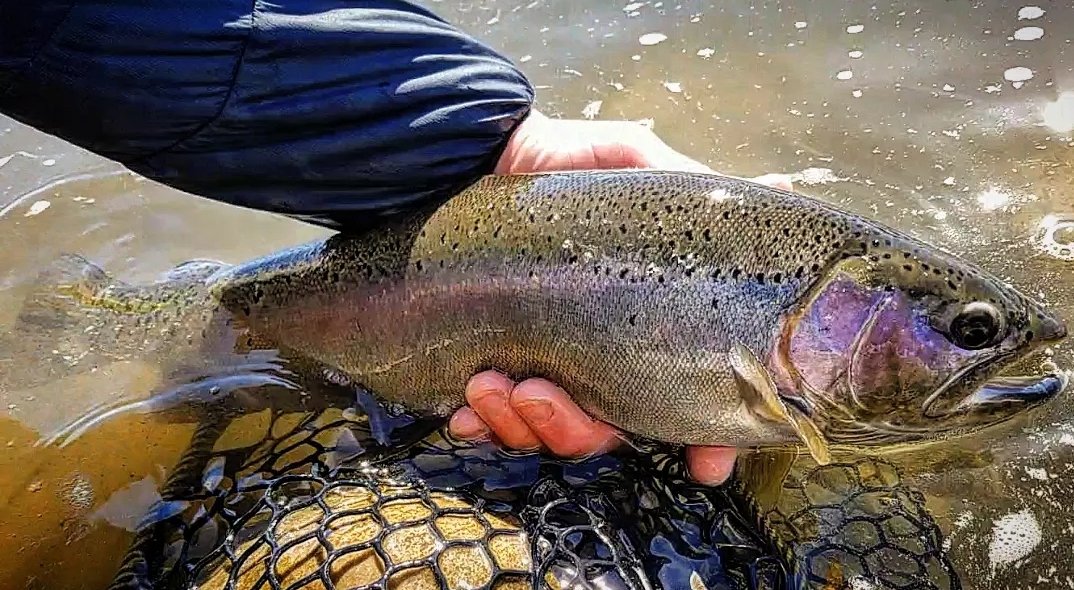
x,y
1029,33
1030,12
592,109
1014,537
855,29
1018,75
993,198
1037,473
36,208
652,38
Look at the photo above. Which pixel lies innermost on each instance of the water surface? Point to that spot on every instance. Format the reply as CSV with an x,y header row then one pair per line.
x,y
950,120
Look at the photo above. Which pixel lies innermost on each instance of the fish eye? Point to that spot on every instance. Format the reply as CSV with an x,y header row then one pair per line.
x,y
976,326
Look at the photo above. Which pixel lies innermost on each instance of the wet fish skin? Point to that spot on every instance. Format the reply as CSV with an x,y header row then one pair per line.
x,y
629,289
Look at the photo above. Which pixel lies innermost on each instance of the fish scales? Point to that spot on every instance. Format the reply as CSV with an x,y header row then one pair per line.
x,y
605,283
686,308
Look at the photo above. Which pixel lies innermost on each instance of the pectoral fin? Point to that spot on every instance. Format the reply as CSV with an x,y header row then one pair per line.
x,y
759,392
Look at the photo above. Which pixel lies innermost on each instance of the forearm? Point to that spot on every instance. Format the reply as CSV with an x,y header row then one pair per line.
x,y
337,116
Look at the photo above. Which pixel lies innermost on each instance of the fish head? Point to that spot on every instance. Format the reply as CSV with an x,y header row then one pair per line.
x,y
899,342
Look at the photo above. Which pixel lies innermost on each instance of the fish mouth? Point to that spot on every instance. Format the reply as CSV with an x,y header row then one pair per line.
x,y
1000,395
994,388
1023,390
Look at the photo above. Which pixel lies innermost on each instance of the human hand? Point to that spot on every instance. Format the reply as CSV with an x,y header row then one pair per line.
x,y
536,414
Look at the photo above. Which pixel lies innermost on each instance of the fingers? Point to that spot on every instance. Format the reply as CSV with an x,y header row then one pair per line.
x,y
782,181
710,465
533,414
653,152
564,428
488,394
537,414
467,425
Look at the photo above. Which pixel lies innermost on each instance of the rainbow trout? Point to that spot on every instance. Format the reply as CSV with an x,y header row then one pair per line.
x,y
683,308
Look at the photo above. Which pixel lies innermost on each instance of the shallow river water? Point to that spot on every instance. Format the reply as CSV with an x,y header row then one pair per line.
x,y
951,120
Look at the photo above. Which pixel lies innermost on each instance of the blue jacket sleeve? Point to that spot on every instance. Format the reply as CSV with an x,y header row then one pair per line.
x,y
338,112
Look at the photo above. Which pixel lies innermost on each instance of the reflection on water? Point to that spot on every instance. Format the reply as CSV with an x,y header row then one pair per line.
x,y
950,120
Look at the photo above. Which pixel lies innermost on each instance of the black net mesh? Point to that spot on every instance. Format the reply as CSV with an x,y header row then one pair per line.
x,y
335,499
858,521
317,502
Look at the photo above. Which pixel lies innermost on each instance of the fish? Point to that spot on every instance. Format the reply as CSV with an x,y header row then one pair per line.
x,y
683,308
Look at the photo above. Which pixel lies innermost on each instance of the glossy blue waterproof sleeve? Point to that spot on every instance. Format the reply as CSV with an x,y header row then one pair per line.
x,y
338,112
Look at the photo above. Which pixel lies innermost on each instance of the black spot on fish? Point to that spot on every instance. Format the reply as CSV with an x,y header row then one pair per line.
x,y
707,234
418,265
622,228
633,320
760,277
907,267
735,273
689,235
573,259
777,278
623,273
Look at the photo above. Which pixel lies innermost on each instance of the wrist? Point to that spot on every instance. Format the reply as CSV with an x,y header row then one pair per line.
x,y
517,142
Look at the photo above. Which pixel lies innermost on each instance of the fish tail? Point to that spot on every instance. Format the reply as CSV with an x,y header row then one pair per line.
x,y
69,322
69,294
